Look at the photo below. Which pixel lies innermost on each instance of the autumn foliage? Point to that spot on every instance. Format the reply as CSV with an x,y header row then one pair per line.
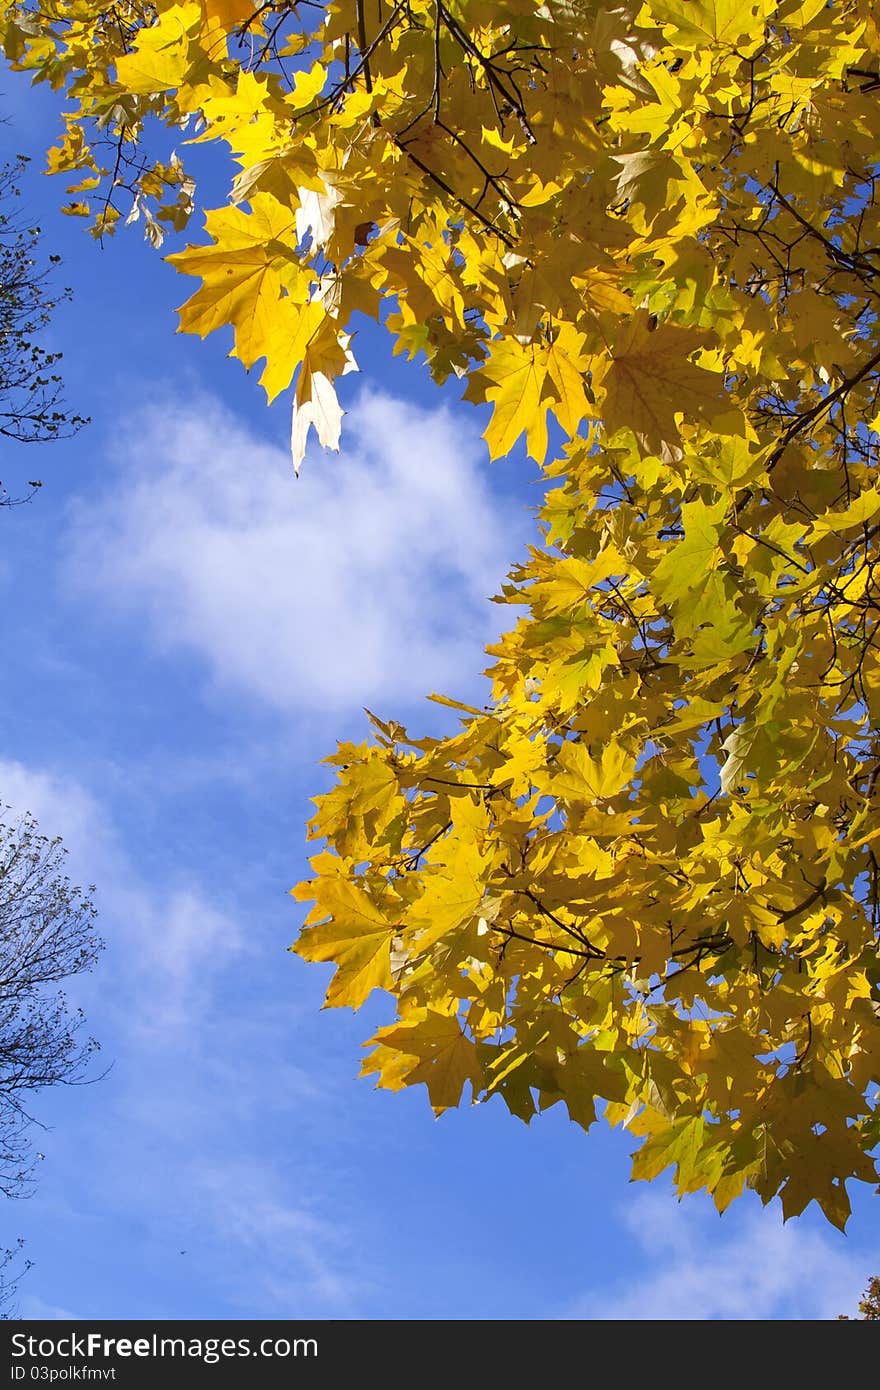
x,y
642,879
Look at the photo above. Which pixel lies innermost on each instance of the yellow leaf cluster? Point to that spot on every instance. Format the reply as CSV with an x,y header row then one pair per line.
x,y
642,881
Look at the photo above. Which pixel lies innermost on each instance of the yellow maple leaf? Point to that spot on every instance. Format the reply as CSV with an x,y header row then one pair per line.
x,y
316,404
357,938
651,379
692,23
453,893
585,778
161,56
518,372
444,1058
229,14
241,272
571,583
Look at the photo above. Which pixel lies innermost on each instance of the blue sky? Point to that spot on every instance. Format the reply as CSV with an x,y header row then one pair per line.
x,y
188,630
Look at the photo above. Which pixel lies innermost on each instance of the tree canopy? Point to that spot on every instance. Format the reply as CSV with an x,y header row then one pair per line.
x,y
47,936
643,877
32,408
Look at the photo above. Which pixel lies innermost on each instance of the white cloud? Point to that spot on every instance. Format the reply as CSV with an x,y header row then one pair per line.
x,y
61,807
291,1255
366,578
167,943
697,1266
196,1076
37,1310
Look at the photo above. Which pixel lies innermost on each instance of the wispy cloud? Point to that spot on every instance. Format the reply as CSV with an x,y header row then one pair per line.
x,y
697,1266
168,941
369,576
61,806
294,1257
37,1310
198,1080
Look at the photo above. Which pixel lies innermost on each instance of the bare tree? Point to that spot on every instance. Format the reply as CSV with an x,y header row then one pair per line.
x,y
47,935
12,1267
46,925
32,408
